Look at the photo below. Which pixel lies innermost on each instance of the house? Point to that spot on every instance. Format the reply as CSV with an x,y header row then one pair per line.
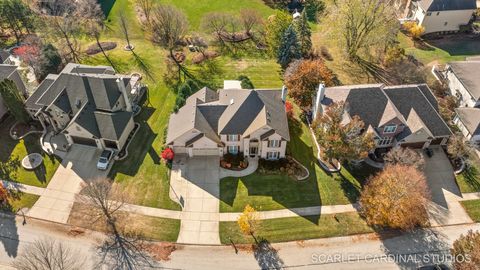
x,y
468,121
6,57
237,121
405,115
89,105
463,79
10,72
442,15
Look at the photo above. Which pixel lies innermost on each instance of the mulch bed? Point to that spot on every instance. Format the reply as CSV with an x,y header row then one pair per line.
x,y
94,49
199,57
21,129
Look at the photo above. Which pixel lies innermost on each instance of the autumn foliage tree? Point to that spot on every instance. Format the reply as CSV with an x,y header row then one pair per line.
x,y
302,78
466,251
248,221
289,109
415,30
458,147
339,140
396,198
4,195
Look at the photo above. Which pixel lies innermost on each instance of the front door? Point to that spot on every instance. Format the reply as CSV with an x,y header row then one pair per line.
x,y
253,151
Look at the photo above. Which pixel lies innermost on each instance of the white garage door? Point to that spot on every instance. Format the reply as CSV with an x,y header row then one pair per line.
x,y
205,152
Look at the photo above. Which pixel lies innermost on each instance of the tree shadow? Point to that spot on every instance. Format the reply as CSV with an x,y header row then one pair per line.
x,y
472,177
155,157
267,256
106,6
415,249
9,232
143,65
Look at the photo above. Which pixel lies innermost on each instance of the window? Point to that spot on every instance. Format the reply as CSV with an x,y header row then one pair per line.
x,y
390,129
445,24
438,13
233,138
429,14
385,141
274,143
233,149
273,155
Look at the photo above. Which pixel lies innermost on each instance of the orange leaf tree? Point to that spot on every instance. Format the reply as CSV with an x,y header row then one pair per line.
x,y
396,197
248,221
340,140
4,195
466,251
302,78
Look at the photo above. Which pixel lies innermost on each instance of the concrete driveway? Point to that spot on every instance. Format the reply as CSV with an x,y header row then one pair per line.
x,y
444,208
195,184
78,165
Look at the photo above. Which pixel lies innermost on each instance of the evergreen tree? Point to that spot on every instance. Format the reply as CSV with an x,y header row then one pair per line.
x,y
245,82
13,100
289,48
17,17
313,8
50,62
302,29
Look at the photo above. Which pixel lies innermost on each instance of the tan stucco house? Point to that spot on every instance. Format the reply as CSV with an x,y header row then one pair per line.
x,y
88,105
442,15
237,121
405,115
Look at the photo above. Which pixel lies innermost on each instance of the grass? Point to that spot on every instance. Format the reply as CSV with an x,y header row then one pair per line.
x,y
272,192
473,209
297,228
469,180
24,200
12,152
152,228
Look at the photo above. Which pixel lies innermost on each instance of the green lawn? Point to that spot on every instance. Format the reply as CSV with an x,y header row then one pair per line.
x,y
272,192
469,180
297,228
473,209
12,152
24,200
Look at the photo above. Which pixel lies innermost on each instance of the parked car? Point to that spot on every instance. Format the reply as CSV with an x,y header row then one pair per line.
x,y
104,160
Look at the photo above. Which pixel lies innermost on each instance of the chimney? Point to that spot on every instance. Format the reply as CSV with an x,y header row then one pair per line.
x,y
318,99
121,87
284,93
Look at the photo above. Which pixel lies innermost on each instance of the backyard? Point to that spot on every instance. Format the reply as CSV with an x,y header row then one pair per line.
x,y
271,192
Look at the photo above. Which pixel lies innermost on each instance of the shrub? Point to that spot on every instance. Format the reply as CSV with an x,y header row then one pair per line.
x,y
168,154
289,109
414,29
246,82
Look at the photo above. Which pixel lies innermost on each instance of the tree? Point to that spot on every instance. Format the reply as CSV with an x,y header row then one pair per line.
x,y
168,154
415,30
125,29
396,197
248,221
146,6
404,156
17,17
245,82
250,19
360,26
340,141
289,109
458,147
276,26
14,100
303,77
168,25
48,254
122,249
289,48
313,8
4,195
48,62
466,251
302,28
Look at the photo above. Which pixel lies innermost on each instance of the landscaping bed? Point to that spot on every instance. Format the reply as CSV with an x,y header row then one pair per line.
x,y
285,165
297,228
106,46
234,162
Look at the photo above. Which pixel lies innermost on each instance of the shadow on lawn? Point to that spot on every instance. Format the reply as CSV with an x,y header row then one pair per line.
x,y
106,6
472,177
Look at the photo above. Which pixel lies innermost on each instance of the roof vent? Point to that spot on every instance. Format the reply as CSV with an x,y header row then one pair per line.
x,y
231,101
78,102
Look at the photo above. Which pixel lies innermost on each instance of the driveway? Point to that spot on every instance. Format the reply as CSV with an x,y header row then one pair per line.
x,y
444,208
196,185
78,165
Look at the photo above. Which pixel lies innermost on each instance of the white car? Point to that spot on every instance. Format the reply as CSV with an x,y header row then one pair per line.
x,y
104,159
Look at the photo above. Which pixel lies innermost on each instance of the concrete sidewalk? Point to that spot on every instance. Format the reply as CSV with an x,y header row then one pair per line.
x,y
470,196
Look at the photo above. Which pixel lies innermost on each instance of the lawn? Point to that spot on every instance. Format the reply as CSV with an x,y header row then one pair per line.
x,y
12,152
272,192
469,180
473,209
24,200
152,228
297,228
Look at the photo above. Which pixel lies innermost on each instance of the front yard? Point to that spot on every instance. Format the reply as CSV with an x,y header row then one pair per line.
x,y
12,152
295,228
24,200
473,209
272,192
469,180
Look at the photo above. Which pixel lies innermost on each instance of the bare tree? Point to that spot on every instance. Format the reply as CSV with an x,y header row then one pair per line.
x,y
404,156
250,19
47,254
122,249
146,6
124,27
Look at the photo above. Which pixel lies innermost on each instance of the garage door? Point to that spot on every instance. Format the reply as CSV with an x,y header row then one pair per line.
x,y
414,145
84,141
437,141
205,152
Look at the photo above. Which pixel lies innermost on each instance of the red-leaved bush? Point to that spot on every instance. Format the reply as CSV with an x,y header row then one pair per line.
x,y
289,109
168,154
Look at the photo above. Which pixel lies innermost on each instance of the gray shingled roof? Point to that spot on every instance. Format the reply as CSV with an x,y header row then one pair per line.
x,y
444,5
41,89
231,111
3,56
468,72
111,125
6,71
470,118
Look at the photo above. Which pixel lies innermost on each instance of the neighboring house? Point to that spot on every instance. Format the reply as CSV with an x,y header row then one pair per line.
x,y
10,72
89,105
468,121
251,122
463,80
442,15
6,58
405,115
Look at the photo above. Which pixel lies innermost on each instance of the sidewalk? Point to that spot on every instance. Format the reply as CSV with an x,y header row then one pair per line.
x,y
470,196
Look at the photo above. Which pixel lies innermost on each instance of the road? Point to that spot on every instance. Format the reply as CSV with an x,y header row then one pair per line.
x,y
356,252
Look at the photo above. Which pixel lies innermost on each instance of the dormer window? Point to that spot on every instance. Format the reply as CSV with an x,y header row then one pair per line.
x,y
389,128
274,143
